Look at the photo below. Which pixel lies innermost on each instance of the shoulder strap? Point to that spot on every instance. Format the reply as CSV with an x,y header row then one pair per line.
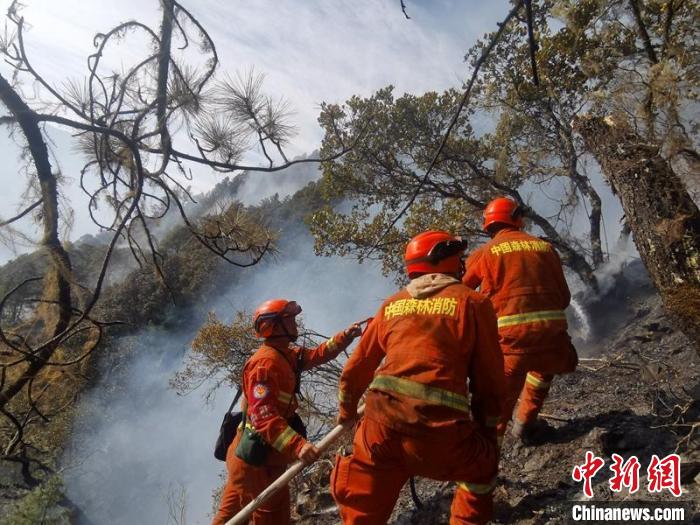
x,y
297,370
236,398
300,366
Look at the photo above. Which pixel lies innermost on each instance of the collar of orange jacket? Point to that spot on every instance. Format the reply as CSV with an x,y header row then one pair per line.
x,y
506,229
280,343
428,284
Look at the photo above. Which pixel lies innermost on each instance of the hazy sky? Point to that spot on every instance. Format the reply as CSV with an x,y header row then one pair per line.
x,y
310,51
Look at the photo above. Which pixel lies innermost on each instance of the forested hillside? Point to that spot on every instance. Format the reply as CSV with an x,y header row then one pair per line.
x,y
120,350
192,278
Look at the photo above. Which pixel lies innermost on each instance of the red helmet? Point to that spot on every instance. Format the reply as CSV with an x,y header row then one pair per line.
x,y
434,252
269,315
504,211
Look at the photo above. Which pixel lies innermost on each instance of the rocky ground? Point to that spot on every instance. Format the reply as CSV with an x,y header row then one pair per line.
x,y
636,392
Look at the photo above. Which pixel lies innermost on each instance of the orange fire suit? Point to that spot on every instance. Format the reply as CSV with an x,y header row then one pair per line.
x,y
523,277
419,420
269,379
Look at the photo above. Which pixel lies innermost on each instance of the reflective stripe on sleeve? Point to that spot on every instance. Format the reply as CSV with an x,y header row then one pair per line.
x,y
532,317
429,394
344,397
284,397
537,383
477,488
331,344
284,438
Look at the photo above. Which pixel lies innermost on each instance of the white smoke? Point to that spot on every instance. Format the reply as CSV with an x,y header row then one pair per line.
x,y
583,323
259,186
137,439
620,256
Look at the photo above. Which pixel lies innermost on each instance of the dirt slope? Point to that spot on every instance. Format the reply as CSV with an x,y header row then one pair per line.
x,y
636,392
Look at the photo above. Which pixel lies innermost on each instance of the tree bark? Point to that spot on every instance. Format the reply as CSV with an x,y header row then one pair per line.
x,y
569,256
57,292
664,220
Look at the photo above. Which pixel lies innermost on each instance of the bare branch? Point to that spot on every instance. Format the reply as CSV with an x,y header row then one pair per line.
x,y
403,10
465,100
643,33
21,214
532,43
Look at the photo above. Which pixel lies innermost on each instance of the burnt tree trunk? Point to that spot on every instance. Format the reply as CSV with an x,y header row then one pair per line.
x,y
56,308
664,220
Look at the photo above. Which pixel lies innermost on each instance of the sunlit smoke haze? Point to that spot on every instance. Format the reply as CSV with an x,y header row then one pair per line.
x,y
259,186
137,440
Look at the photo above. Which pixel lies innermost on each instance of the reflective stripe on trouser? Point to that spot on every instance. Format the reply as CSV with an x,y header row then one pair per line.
x,y
538,381
532,388
477,488
541,368
429,394
533,396
531,317
366,484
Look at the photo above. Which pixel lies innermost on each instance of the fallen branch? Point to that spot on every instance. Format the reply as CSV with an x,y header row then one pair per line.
x,y
691,424
554,418
688,437
606,363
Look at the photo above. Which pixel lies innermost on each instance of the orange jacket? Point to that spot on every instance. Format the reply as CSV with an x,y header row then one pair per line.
x,y
523,277
269,378
433,336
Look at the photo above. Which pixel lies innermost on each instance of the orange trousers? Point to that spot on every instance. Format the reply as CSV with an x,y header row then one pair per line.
x,y
528,377
244,483
366,484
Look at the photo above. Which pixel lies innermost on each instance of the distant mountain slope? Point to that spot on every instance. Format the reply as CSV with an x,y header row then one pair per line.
x,y
135,296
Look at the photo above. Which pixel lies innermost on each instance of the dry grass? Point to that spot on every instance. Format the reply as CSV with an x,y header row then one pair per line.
x,y
684,304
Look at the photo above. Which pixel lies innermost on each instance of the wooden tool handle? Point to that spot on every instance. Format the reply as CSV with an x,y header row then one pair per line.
x,y
290,473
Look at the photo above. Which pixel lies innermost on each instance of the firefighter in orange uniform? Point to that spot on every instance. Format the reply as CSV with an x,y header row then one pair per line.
x,y
272,434
523,277
421,419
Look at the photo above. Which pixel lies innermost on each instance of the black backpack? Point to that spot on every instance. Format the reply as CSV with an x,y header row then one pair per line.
x,y
228,429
